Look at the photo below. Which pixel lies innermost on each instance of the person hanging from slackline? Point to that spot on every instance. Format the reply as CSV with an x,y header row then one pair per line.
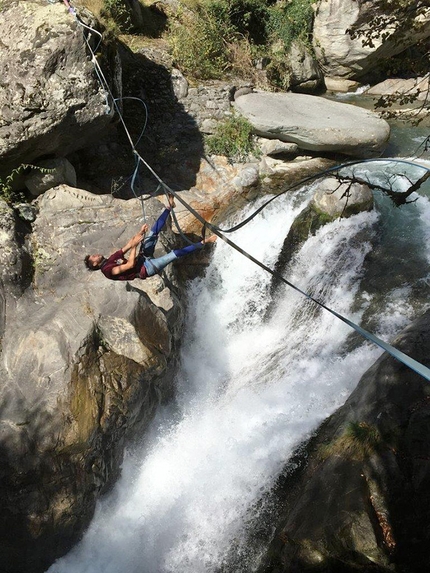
x,y
141,264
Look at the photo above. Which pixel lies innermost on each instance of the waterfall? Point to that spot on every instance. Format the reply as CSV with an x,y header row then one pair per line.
x,y
249,391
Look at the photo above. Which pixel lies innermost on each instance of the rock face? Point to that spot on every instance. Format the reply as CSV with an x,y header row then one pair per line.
x,y
340,55
277,174
360,501
416,87
11,256
220,189
306,75
315,123
53,172
51,101
331,200
84,363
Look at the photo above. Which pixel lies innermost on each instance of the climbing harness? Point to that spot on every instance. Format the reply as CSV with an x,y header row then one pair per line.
x,y
401,356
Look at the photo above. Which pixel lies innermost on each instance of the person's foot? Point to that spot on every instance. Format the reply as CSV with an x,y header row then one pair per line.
x,y
210,239
172,203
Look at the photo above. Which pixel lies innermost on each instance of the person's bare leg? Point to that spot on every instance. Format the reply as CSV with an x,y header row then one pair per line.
x,y
172,203
210,239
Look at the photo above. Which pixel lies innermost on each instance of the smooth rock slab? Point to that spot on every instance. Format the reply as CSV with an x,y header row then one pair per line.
x,y
315,123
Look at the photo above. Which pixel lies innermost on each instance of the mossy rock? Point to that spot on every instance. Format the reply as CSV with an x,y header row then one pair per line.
x,y
306,224
332,200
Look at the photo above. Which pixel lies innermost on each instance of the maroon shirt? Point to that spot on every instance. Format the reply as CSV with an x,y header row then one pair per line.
x,y
116,259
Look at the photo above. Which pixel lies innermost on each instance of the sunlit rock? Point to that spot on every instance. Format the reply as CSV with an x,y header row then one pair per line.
x,y
315,123
412,88
306,75
341,55
221,187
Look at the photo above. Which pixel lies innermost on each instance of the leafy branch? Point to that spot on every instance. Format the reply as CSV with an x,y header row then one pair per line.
x,y
7,190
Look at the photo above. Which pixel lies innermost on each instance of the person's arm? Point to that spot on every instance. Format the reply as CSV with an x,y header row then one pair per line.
x,y
135,240
119,269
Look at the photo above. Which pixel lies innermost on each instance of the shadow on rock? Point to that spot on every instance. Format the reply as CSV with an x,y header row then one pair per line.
x,y
167,137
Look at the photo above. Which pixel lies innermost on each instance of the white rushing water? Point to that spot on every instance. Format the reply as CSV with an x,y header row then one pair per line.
x,y
248,393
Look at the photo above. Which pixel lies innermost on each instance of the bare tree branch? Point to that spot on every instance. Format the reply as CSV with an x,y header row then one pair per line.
x,y
398,197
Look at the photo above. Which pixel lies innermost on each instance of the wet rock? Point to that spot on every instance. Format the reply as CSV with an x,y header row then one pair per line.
x,y
334,199
360,501
331,200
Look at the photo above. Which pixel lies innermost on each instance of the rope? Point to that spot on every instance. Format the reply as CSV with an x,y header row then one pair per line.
x,y
105,85
401,356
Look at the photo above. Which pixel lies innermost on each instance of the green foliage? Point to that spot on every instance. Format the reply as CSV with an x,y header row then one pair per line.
x,y
208,37
119,11
233,138
287,23
291,21
364,434
7,190
249,18
197,40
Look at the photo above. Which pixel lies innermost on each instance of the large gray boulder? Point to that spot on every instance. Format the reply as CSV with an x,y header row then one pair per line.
x,y
360,502
51,101
50,173
341,55
315,123
334,199
84,363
